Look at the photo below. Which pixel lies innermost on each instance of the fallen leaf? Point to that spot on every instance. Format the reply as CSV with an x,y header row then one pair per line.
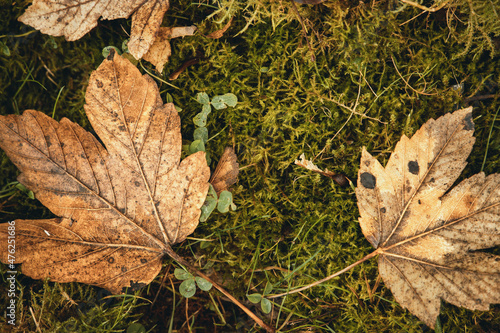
x,y
340,179
121,207
160,51
226,172
73,19
428,236
219,33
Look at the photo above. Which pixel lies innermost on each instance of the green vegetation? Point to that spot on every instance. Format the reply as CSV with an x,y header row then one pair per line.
x,y
380,70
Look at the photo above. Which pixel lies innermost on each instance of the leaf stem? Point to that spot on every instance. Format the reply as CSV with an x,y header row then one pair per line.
x,y
369,256
194,270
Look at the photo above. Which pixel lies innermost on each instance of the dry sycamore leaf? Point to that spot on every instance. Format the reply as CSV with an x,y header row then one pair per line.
x,y
121,206
160,51
74,18
428,236
226,172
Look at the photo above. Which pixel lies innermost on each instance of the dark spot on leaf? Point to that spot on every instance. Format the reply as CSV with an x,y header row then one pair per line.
x,y
99,84
431,180
408,186
368,180
413,167
137,184
121,128
468,123
124,269
111,54
383,210
419,202
367,163
143,261
111,260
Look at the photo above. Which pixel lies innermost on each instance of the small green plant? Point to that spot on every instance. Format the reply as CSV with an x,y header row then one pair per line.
x,y
219,102
189,282
124,52
265,304
224,201
13,187
136,328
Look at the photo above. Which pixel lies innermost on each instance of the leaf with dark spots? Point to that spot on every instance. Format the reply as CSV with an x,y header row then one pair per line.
x,y
427,235
121,206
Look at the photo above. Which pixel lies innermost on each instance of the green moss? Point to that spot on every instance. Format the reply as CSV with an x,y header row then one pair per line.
x,y
400,71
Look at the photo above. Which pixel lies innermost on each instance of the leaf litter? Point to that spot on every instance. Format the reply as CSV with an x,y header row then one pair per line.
x,y
74,19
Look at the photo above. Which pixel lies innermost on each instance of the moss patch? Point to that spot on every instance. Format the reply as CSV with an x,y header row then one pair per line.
x,y
381,70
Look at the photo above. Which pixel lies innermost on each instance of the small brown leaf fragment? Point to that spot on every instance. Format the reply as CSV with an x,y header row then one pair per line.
x,y
159,53
340,179
428,236
175,74
146,23
219,33
226,172
121,206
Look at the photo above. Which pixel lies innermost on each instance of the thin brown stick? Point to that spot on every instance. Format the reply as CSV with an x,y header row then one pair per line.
x,y
304,31
371,255
427,9
187,315
406,82
34,319
195,271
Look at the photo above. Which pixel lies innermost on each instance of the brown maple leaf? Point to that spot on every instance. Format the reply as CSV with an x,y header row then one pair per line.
x,y
74,18
428,236
121,207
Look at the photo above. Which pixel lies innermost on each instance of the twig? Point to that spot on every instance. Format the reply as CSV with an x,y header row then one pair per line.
x,y
406,82
194,270
304,31
34,319
489,137
187,315
353,112
161,285
371,255
427,9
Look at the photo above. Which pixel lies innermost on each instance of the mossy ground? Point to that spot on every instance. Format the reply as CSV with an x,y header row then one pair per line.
x,y
381,70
